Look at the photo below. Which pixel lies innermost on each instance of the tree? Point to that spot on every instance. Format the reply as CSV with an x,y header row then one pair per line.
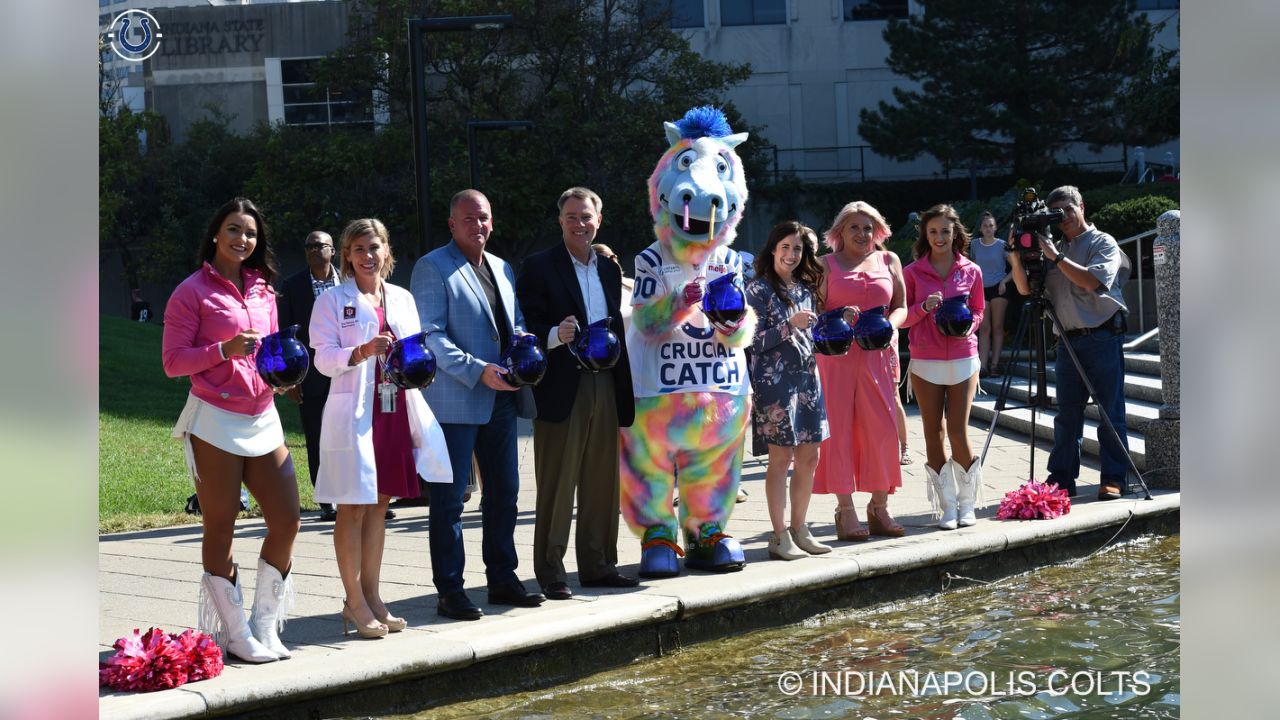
x,y
1150,103
1010,83
596,77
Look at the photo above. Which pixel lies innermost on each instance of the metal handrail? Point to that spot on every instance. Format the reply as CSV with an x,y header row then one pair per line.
x,y
1143,339
1137,243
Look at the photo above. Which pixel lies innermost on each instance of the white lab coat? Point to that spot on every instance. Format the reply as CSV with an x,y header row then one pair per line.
x,y
342,319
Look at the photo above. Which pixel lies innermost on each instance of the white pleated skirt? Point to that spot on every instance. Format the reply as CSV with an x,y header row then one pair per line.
x,y
945,372
243,435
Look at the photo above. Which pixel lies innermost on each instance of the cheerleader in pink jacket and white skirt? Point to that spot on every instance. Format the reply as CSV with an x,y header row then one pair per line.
x,y
944,368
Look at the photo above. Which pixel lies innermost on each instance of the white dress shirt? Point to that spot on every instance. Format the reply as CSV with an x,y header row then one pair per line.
x,y
588,275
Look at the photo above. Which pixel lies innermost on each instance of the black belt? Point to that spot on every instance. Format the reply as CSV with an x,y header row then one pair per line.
x,y
1115,324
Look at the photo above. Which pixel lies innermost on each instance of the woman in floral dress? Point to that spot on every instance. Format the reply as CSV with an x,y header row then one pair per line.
x,y
788,419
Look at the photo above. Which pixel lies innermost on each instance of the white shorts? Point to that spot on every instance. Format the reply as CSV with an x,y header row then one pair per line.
x,y
244,435
945,372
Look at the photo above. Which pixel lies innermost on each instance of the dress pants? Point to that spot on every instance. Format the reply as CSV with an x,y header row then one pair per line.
x,y
494,445
314,395
580,453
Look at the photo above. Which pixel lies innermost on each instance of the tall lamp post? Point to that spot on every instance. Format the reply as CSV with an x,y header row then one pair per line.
x,y
417,58
474,127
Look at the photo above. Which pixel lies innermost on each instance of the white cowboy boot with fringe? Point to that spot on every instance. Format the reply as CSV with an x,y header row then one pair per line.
x,y
968,489
272,601
221,614
942,495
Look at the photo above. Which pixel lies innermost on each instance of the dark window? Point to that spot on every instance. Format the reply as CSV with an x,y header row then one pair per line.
x,y
753,12
306,103
875,9
681,13
294,94
1157,5
317,114
297,71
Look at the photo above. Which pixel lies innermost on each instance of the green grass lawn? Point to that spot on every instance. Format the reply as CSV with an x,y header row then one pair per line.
x,y
142,479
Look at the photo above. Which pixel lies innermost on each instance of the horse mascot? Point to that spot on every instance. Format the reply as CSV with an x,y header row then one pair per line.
x,y
689,326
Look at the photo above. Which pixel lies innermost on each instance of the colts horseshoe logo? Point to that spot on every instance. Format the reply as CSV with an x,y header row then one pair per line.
x,y
698,333
134,35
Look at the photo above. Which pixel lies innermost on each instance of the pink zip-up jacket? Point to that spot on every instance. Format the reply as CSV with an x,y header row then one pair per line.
x,y
926,341
205,310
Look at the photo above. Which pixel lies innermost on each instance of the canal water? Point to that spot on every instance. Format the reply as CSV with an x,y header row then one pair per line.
x,y
1094,639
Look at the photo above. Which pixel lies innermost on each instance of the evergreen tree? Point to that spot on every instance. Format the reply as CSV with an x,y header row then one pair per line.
x,y
1011,82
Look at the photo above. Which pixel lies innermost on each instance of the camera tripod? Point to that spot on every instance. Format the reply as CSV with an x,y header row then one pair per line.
x,y
1029,323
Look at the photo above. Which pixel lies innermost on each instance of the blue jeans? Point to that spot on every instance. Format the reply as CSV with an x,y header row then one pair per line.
x,y
1102,356
494,445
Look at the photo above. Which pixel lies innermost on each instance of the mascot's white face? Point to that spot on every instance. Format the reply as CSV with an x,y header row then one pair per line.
x,y
698,191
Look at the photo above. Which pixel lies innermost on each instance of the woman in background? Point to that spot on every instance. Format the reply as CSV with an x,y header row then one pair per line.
x,y
989,254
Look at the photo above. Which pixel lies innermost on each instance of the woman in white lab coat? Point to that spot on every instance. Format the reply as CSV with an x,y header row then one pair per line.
x,y
375,438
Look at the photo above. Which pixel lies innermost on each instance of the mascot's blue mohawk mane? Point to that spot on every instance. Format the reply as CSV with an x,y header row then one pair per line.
x,y
704,121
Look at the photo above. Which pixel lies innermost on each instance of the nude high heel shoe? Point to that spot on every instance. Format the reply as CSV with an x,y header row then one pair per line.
x,y
364,631
848,527
882,523
393,623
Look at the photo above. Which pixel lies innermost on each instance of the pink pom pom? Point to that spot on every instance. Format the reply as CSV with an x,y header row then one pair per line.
x,y
1034,500
158,661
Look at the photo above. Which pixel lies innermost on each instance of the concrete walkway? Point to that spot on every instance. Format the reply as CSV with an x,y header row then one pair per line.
x,y
152,578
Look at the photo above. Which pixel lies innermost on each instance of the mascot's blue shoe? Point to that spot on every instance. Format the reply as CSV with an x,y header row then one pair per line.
x,y
658,552
714,551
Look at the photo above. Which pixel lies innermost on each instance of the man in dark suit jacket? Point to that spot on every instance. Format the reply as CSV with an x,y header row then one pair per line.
x,y
297,295
575,436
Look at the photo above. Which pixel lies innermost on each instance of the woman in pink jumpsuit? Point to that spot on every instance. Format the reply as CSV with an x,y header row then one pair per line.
x,y
861,455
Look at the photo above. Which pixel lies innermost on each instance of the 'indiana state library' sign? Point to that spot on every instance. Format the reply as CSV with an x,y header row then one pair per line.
x,y
213,37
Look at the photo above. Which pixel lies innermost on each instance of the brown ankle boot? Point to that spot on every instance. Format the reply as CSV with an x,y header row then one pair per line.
x,y
848,527
882,523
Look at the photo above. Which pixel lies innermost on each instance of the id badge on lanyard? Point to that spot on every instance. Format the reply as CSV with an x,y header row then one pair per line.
x,y
386,388
387,396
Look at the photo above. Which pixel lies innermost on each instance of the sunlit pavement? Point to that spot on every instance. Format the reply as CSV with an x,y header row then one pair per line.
x,y
151,578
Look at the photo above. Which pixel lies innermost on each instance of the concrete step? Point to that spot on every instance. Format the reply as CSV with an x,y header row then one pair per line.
x,y
1137,412
1137,386
1142,363
1020,421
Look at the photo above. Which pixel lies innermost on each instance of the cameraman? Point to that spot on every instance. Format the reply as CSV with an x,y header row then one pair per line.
x,y
1083,285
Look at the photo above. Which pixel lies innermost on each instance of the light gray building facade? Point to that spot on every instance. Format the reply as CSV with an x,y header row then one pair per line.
x,y
252,63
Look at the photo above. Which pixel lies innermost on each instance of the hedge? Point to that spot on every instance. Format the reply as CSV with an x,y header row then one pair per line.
x,y
1130,217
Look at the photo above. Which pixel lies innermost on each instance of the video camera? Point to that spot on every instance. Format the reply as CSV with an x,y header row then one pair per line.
x,y
1031,220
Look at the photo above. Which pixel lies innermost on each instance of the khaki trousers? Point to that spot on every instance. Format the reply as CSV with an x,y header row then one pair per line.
x,y
579,454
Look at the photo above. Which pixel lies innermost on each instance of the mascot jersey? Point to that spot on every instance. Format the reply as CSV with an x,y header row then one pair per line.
x,y
692,357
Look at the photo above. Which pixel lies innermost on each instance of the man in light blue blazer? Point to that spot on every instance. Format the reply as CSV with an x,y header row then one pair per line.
x,y
466,301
